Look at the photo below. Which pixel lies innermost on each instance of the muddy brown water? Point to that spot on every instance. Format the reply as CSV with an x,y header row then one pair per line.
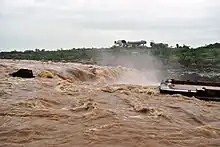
x,y
80,107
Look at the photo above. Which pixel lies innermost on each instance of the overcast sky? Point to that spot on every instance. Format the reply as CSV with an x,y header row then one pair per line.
x,y
52,24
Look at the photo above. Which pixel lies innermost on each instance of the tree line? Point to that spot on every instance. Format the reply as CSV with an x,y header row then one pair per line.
x,y
203,57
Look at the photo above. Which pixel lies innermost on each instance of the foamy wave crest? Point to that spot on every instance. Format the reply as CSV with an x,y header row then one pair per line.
x,y
77,72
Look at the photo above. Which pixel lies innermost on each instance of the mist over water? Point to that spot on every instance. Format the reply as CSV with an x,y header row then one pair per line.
x,y
144,68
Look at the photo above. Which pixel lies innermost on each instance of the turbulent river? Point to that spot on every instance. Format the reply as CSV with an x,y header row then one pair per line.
x,y
99,106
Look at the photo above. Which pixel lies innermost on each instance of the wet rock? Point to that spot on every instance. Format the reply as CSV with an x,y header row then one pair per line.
x,y
191,76
23,73
198,77
46,74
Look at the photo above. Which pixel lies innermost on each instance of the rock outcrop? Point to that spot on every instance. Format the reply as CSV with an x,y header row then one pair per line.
x,y
46,74
23,73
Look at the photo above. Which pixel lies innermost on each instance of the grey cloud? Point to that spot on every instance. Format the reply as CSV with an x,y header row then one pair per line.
x,y
68,23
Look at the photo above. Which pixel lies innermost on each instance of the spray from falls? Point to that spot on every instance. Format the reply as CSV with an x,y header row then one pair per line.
x,y
142,68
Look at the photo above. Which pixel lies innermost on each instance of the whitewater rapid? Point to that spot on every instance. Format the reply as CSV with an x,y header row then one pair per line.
x,y
91,105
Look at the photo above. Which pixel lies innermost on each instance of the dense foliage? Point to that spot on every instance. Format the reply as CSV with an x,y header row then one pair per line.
x,y
204,57
200,58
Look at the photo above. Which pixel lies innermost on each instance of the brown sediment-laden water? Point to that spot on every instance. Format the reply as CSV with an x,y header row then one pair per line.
x,y
98,106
